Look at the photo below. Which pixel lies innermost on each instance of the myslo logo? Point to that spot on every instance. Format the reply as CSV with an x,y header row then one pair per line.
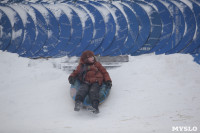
x,y
184,129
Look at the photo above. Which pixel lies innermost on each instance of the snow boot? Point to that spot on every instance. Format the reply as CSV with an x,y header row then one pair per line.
x,y
94,107
78,105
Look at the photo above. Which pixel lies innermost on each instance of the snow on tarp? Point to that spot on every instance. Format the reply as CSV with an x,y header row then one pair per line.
x,y
29,30
132,24
76,27
5,31
13,19
190,26
17,28
91,16
67,11
194,45
87,27
189,3
55,10
10,13
167,23
110,27
121,8
21,13
169,7
182,7
82,14
31,12
113,10
105,13
178,27
99,26
65,31
184,32
53,31
44,13
156,28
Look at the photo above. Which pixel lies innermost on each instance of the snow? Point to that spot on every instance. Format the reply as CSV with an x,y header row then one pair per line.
x,y
16,34
43,11
104,12
182,7
31,12
150,93
154,6
198,3
190,4
12,15
147,8
22,13
55,10
81,13
66,10
4,1
121,8
171,10
91,15
167,4
1,32
112,9
1,15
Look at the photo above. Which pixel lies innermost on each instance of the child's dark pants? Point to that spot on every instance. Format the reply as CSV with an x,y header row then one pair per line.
x,y
91,89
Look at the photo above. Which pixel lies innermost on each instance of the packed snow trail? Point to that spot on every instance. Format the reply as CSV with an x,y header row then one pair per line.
x,y
151,93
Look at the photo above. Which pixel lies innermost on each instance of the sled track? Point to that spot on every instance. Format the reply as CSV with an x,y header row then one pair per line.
x,y
109,28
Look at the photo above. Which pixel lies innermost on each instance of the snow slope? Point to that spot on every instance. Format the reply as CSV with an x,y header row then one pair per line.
x,y
151,93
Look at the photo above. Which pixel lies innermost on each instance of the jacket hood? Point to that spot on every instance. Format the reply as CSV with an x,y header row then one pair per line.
x,y
85,55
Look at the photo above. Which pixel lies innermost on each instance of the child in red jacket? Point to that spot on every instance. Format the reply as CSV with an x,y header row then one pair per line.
x,y
91,75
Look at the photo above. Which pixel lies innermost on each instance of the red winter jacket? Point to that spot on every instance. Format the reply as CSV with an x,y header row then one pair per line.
x,y
94,72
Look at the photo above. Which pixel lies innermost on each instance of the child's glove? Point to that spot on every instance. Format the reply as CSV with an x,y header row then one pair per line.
x,y
71,80
108,84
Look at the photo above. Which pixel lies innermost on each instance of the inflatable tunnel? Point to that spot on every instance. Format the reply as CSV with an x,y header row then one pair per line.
x,y
60,28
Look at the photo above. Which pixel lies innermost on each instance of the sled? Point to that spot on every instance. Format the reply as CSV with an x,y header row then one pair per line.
x,y
103,93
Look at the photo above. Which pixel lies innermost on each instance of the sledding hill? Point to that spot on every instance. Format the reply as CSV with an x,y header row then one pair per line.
x,y
150,94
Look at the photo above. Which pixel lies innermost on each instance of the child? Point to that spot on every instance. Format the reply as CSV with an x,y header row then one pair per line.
x,y
91,75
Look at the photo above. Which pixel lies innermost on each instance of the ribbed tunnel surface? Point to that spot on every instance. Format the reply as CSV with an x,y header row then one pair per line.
x,y
109,28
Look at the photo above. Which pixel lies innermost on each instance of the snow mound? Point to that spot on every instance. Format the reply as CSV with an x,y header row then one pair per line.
x,y
151,93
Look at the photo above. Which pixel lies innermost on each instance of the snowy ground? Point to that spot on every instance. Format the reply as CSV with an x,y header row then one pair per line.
x,y
150,94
